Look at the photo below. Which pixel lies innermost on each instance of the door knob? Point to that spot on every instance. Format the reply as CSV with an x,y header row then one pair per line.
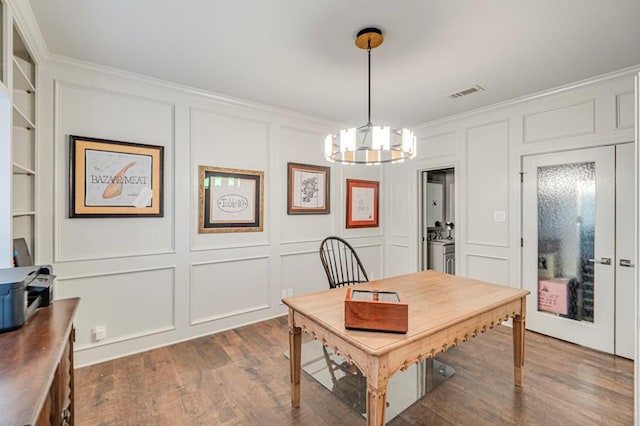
x,y
627,263
602,261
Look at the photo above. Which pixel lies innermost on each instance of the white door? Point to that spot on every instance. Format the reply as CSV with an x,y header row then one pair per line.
x,y
625,251
568,217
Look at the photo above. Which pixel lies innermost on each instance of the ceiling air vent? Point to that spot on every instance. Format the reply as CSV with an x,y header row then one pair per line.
x,y
466,92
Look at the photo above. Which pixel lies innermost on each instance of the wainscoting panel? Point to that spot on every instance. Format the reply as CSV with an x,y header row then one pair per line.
x,y
226,288
302,272
487,180
439,145
228,141
300,146
492,269
560,122
400,265
400,196
624,110
81,111
131,304
371,258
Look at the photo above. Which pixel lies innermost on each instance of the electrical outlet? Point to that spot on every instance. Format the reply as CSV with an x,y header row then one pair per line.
x,y
99,332
283,293
289,292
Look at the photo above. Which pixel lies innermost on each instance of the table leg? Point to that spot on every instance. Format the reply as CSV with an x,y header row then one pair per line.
x,y
376,398
295,347
518,349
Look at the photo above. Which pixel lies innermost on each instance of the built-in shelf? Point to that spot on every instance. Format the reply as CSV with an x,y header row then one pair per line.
x,y
20,119
21,204
21,170
28,213
21,80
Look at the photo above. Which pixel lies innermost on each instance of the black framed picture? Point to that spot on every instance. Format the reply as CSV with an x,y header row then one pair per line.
x,y
114,179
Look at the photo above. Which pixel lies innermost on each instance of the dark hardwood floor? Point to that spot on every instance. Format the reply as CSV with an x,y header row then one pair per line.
x,y
240,377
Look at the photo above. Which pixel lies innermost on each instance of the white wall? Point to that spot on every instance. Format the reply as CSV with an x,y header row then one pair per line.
x,y
156,281
486,147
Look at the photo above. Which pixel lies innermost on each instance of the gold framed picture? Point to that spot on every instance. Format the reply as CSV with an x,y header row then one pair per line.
x,y
230,200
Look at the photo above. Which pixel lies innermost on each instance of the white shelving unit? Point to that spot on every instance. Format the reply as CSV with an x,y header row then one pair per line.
x,y
23,140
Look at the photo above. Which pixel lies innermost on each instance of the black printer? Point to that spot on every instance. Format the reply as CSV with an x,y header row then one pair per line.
x,y
22,291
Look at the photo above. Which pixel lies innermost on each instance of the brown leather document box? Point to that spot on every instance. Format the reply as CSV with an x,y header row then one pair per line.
x,y
375,310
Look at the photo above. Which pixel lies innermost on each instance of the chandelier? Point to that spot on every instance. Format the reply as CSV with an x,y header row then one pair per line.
x,y
370,144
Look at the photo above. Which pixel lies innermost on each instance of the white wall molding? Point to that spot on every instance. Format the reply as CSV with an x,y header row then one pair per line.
x,y
301,241
182,89
62,283
224,288
300,129
624,110
299,252
121,339
61,174
60,83
484,224
488,268
444,142
362,236
212,142
481,244
399,245
629,71
228,247
230,260
398,236
229,314
554,123
76,259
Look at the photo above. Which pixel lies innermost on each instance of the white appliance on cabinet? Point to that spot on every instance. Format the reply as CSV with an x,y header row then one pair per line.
x,y
442,256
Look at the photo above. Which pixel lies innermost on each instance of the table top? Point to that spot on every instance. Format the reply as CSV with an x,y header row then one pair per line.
x,y
29,356
436,301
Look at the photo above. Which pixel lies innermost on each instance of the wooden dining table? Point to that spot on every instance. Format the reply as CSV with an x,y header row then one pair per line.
x,y
444,310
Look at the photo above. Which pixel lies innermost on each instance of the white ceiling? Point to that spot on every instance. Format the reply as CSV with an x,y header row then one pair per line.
x,y
300,54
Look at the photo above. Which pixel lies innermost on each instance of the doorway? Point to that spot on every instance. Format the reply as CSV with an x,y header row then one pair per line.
x,y
437,212
578,243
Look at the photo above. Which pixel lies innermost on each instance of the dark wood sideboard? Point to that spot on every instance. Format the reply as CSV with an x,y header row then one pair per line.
x,y
36,368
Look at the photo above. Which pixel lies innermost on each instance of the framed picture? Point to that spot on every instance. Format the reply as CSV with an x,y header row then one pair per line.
x,y
362,203
230,200
307,189
114,179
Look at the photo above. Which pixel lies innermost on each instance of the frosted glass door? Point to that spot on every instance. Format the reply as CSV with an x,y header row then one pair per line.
x,y
568,250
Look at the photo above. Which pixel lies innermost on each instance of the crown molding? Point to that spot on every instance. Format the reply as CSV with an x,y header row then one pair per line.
x,y
164,84
37,45
629,71
28,25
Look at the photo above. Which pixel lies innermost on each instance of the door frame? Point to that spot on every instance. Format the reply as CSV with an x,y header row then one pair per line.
x,y
577,331
421,228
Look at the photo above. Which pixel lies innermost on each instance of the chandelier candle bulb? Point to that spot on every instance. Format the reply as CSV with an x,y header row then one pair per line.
x,y
408,141
381,138
328,146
